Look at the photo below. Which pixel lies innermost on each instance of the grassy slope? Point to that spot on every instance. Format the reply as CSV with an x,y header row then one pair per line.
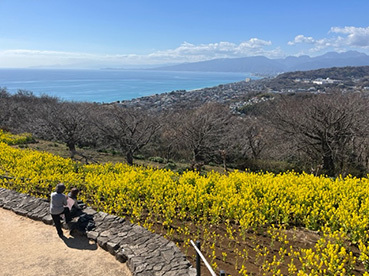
x,y
103,157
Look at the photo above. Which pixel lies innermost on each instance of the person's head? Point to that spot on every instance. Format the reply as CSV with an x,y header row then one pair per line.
x,y
74,192
60,188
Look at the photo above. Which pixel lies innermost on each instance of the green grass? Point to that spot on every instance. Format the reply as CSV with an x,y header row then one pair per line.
x,y
102,157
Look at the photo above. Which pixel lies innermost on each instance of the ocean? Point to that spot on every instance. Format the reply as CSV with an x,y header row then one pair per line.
x,y
106,86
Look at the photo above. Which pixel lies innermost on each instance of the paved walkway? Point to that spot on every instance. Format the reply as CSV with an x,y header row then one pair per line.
x,y
29,247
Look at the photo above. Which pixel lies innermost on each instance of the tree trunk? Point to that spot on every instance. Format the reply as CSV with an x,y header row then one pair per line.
x,y
197,156
328,161
72,148
129,157
223,154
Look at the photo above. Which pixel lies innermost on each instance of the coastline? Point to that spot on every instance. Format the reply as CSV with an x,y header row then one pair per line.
x,y
106,86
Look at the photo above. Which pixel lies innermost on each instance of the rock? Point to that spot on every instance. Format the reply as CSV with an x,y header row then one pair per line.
x,y
112,247
48,219
89,211
92,235
20,211
121,257
102,241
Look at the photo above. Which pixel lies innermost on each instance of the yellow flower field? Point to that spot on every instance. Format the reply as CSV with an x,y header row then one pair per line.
x,y
12,139
240,202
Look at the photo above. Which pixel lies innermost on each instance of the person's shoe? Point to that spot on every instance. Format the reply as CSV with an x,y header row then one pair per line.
x,y
61,235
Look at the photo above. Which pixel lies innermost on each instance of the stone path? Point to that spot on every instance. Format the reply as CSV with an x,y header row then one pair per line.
x,y
145,253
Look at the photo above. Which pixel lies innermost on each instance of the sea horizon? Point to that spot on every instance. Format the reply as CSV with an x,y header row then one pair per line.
x,y
109,85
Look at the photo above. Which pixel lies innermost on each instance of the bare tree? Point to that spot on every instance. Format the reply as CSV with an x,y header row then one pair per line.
x,y
19,112
5,108
249,136
67,122
323,126
126,129
202,130
169,138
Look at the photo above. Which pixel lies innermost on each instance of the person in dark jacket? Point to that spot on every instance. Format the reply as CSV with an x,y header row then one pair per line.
x,y
58,206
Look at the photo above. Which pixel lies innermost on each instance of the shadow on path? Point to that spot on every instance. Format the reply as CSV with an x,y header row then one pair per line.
x,y
79,242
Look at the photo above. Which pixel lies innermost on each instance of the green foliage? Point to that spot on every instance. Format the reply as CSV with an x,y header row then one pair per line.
x,y
170,166
110,151
139,157
157,159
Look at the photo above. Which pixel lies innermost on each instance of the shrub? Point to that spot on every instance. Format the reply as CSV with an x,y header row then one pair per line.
x,y
170,166
157,159
139,157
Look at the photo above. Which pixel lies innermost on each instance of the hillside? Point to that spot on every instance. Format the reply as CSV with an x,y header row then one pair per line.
x,y
340,73
239,93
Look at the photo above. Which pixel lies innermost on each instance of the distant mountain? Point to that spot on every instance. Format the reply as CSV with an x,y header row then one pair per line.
x,y
264,65
248,64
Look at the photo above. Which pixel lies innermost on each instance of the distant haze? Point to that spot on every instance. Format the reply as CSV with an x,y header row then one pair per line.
x,y
264,65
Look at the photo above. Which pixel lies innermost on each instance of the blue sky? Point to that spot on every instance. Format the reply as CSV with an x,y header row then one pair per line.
x,y
119,33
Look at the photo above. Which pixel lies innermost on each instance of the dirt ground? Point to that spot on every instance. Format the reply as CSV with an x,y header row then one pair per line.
x,y
30,247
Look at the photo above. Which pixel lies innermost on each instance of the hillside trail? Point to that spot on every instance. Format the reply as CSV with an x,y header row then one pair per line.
x,y
29,247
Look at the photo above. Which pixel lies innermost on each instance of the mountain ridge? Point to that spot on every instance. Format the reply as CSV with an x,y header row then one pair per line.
x,y
264,65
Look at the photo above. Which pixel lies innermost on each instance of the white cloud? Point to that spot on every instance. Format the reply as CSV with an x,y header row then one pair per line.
x,y
350,38
192,52
357,37
255,43
317,43
186,52
302,39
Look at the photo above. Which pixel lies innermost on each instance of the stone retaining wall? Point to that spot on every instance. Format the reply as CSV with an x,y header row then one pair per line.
x,y
146,253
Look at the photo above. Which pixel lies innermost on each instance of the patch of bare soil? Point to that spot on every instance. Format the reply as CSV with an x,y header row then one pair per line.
x,y
253,250
30,247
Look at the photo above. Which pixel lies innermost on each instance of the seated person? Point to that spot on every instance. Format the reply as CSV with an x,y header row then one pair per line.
x,y
75,205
